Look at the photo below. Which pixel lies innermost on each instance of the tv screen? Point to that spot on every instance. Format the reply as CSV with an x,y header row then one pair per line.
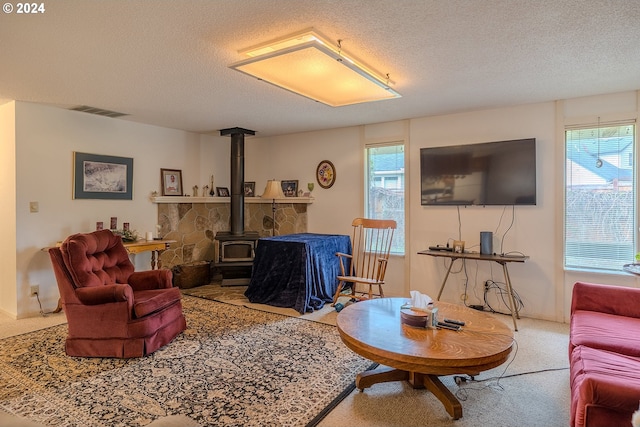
x,y
491,173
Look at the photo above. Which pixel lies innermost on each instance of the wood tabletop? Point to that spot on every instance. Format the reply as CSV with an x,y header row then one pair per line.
x,y
138,246
373,329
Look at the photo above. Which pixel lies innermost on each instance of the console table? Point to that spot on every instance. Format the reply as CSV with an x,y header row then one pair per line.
x,y
156,247
503,260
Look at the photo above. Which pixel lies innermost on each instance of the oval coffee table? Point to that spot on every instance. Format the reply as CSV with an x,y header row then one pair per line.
x,y
372,329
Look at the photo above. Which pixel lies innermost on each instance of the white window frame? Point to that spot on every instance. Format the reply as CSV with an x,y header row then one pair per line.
x,y
400,233
601,124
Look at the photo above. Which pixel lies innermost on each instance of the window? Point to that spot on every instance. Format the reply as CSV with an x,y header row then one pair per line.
x,y
600,195
385,187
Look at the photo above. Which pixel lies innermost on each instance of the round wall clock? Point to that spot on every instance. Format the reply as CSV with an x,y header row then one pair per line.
x,y
326,174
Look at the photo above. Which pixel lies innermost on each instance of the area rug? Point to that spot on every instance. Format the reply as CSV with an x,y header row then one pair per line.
x,y
232,367
235,295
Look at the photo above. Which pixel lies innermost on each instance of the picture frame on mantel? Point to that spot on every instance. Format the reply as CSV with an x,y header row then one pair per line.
x,y
249,189
290,188
171,181
97,176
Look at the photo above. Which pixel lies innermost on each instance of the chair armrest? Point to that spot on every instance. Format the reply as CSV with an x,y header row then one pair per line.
x,y
95,295
618,300
343,271
151,279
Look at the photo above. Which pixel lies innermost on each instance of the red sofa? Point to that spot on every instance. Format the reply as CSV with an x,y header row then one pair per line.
x,y
111,310
604,355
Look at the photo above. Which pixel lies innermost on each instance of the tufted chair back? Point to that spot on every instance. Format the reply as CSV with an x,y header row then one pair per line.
x,y
96,259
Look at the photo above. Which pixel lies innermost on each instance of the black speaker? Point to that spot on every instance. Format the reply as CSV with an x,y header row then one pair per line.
x,y
486,242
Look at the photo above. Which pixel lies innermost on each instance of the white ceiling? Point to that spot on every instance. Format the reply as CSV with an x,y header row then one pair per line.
x,y
166,62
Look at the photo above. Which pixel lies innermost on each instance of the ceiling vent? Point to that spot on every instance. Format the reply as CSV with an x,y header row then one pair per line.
x,y
98,111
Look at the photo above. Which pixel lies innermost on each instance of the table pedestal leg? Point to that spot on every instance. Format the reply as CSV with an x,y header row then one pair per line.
x,y
417,380
382,375
439,390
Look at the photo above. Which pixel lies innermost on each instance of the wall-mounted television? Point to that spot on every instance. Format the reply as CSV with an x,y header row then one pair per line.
x,y
490,173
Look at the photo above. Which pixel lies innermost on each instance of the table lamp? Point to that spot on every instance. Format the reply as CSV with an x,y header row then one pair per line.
x,y
273,191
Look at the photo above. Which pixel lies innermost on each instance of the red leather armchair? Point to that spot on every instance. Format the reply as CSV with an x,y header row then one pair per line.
x,y
111,310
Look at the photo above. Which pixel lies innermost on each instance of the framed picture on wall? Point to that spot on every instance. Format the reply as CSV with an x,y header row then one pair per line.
x,y
96,176
171,180
290,188
326,174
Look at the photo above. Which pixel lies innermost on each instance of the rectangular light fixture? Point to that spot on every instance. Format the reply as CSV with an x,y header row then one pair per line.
x,y
307,64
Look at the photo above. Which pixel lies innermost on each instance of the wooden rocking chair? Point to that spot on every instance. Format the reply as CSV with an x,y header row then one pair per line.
x,y
371,244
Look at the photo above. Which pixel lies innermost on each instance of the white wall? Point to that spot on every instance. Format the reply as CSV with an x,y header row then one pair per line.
x,y
8,300
297,156
46,138
534,228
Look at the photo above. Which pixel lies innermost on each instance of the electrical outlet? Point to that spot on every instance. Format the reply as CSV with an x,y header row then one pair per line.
x,y
35,290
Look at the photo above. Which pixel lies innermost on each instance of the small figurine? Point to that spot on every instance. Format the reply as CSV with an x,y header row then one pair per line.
x,y
195,191
205,191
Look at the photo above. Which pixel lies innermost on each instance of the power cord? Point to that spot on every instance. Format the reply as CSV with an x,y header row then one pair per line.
x,y
42,312
464,381
504,295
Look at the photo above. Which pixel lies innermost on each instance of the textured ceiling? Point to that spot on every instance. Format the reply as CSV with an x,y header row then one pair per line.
x,y
166,63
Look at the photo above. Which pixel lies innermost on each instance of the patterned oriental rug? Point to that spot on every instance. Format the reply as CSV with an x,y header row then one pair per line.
x,y
233,366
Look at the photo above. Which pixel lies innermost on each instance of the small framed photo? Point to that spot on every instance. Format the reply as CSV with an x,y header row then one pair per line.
x,y
250,189
290,188
222,191
171,180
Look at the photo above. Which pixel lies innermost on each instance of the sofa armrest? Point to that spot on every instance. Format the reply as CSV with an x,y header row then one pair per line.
x,y
618,300
151,279
95,295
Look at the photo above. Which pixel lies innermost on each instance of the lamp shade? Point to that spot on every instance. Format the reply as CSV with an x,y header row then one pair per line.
x,y
273,190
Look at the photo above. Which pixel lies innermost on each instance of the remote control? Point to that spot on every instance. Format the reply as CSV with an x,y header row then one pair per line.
x,y
448,326
440,248
455,322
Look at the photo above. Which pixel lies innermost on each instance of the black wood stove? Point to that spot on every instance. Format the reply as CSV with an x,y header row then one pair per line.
x,y
236,248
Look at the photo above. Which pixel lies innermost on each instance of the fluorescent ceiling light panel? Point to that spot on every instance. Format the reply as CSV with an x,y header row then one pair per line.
x,y
306,64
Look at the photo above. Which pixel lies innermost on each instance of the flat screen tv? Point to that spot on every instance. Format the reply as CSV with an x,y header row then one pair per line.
x,y
490,173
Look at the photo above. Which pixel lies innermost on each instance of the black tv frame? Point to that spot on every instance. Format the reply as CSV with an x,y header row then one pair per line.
x,y
501,170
